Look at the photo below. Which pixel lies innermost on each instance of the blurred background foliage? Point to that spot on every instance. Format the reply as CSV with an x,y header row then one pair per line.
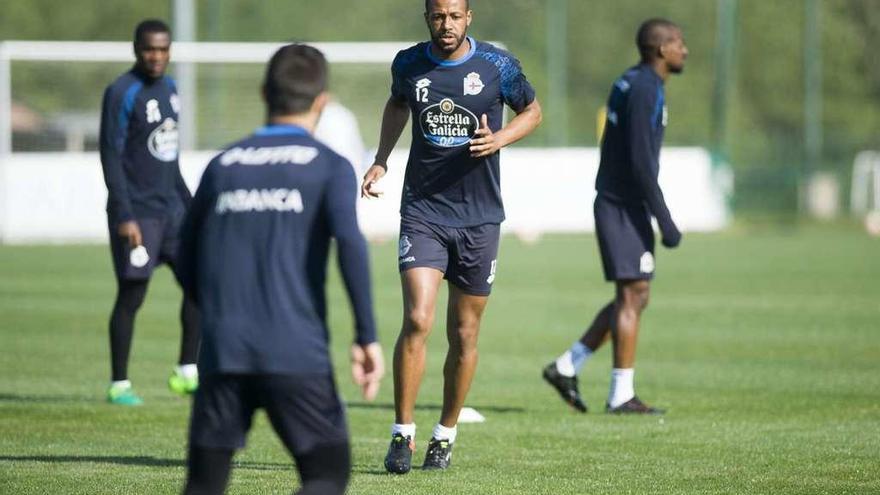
x,y
762,117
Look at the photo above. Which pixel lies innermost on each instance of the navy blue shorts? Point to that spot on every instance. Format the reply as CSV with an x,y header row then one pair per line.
x,y
304,410
160,239
626,239
467,256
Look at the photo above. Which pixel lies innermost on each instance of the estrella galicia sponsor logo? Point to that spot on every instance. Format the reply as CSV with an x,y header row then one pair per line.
x,y
247,200
163,142
448,125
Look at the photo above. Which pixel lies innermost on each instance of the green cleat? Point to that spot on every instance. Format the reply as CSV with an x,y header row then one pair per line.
x,y
182,385
123,395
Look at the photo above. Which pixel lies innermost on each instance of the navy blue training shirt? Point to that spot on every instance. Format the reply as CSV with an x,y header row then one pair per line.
x,y
443,184
139,148
636,120
254,249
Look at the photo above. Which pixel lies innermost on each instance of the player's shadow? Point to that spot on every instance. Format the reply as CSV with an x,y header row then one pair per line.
x,y
40,399
432,407
135,460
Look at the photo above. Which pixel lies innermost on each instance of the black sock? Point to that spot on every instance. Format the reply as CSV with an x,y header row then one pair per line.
x,y
129,297
191,333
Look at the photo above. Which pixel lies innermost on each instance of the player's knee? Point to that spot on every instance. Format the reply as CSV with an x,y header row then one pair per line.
x,y
634,296
464,336
418,321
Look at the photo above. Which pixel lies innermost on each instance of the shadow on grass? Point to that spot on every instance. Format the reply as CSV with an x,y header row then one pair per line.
x,y
41,399
138,460
433,407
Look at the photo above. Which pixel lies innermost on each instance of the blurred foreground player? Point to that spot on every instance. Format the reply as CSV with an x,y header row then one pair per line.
x,y
146,201
254,253
628,195
455,88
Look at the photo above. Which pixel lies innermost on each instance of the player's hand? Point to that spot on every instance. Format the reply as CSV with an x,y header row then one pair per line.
x,y
671,237
484,142
368,186
132,232
367,368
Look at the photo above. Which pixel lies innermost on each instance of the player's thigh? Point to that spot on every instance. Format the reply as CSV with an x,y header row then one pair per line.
x,y
474,260
136,267
305,411
222,411
626,240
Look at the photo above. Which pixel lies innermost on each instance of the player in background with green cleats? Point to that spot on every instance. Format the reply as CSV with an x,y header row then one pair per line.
x,y
120,393
184,380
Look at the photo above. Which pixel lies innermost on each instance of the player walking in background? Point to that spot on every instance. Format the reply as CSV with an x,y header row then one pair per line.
x,y
254,253
146,201
455,87
627,196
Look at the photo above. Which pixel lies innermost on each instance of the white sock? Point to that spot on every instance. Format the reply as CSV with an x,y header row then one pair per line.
x,y
622,388
572,360
443,433
188,370
407,430
121,384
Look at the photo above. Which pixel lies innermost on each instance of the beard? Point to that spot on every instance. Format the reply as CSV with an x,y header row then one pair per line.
x,y
444,46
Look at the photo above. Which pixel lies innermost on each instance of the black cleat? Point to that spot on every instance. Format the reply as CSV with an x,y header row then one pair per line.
x,y
567,386
398,460
633,406
439,454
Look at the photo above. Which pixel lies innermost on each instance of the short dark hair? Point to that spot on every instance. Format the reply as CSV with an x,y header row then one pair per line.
x,y
467,5
296,75
149,26
653,33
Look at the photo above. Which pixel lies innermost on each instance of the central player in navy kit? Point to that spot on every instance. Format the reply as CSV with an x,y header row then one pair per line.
x,y
254,254
455,88
628,195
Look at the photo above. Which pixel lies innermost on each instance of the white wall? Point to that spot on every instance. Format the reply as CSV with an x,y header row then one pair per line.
x,y
60,197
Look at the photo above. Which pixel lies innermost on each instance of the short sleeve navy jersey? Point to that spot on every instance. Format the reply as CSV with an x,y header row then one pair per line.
x,y
443,183
254,253
139,147
634,127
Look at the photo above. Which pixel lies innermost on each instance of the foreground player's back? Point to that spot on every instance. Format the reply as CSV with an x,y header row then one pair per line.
x,y
262,220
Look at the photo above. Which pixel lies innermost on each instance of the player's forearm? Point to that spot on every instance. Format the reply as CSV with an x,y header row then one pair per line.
x,y
393,121
355,270
521,125
117,189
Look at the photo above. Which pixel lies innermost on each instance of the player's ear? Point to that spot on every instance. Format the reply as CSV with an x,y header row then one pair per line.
x,y
263,94
320,102
470,17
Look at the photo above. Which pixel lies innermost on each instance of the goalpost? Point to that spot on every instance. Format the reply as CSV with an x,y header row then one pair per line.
x,y
183,53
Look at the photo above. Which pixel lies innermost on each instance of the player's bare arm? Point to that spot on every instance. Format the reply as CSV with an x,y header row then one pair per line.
x,y
394,119
486,142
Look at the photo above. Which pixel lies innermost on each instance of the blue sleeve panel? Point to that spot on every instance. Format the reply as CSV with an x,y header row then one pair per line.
x,y
516,91
116,112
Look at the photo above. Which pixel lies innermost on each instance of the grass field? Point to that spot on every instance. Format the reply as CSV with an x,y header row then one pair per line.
x,y
764,347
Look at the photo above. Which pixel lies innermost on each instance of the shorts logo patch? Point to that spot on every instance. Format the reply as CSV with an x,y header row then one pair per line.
x,y
448,125
492,269
404,246
646,263
139,257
